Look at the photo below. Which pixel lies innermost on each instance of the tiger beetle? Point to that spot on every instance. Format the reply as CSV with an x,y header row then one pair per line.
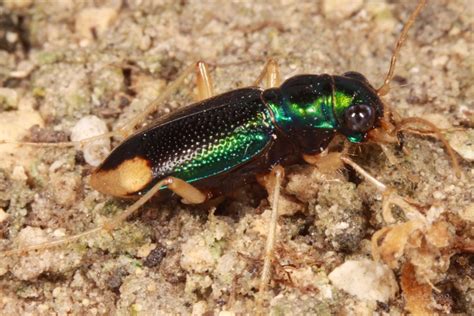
x,y
209,148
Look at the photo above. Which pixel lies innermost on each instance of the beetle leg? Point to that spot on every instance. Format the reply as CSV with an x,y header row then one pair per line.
x,y
188,192
128,128
276,177
125,129
185,190
406,122
204,83
390,196
331,162
270,75
379,185
326,162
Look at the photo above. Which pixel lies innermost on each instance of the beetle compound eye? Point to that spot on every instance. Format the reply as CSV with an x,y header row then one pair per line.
x,y
359,118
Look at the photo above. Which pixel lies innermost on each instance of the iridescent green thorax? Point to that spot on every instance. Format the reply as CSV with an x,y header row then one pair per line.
x,y
320,113
312,108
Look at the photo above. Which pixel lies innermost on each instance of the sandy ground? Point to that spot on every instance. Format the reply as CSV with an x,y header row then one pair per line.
x,y
62,61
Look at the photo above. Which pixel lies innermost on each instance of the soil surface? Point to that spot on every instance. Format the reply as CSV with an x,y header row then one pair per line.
x,y
63,61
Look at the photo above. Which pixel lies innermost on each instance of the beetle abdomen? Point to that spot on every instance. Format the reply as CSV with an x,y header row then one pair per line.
x,y
204,140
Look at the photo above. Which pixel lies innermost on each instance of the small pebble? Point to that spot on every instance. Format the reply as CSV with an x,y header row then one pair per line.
x,y
94,151
467,213
145,250
155,257
199,308
365,279
197,255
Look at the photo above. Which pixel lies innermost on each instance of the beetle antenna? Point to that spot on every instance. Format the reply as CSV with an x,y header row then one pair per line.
x,y
385,88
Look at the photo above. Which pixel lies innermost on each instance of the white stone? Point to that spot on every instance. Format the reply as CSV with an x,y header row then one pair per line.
x,y
199,308
365,279
94,151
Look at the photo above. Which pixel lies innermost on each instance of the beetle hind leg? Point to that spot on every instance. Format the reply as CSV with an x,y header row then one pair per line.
x,y
188,192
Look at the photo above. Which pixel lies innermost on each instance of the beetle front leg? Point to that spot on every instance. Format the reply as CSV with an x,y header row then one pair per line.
x,y
390,196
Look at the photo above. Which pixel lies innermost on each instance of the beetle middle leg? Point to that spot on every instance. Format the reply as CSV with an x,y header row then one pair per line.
x,y
274,180
204,86
129,127
204,82
270,76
